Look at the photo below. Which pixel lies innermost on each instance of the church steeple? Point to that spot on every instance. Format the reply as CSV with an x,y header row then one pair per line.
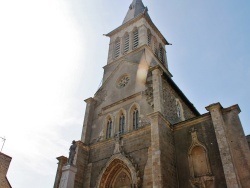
x,y
135,9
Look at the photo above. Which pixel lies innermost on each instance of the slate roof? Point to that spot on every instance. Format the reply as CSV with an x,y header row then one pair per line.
x,y
137,7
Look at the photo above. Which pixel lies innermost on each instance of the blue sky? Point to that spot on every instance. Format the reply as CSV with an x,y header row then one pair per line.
x,y
51,59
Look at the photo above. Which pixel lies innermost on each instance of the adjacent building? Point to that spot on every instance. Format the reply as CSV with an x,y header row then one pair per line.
x,y
140,130
4,166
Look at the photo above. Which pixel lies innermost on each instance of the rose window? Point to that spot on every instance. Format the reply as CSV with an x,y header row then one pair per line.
x,y
122,82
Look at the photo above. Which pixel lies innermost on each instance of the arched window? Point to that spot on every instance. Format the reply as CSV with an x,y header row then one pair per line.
x,y
122,124
117,47
161,53
135,118
126,43
135,38
149,37
109,128
179,110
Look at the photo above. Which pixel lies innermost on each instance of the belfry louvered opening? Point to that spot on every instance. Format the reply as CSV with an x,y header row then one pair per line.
x,y
117,48
149,37
155,47
161,53
126,43
135,38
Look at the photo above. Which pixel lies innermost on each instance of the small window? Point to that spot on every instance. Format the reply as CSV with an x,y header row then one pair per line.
x,y
117,48
121,124
135,119
135,39
179,110
149,37
109,128
126,43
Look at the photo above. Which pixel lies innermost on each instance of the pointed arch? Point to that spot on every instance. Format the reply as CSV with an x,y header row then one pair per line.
x,y
117,165
109,127
198,158
134,117
135,38
121,121
179,110
117,48
126,43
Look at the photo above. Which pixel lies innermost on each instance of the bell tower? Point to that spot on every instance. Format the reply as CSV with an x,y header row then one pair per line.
x,y
137,32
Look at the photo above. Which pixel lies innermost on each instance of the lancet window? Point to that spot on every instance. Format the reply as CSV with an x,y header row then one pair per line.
x,y
135,118
122,124
109,128
179,110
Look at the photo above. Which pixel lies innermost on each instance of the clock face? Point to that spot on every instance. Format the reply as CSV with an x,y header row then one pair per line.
x,y
122,81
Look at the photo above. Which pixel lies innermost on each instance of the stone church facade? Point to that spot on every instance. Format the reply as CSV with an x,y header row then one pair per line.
x,y
140,130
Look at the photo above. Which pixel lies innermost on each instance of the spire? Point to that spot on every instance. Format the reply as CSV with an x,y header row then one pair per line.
x,y
135,9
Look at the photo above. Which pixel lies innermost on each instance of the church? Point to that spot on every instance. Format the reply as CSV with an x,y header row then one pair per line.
x,y
141,131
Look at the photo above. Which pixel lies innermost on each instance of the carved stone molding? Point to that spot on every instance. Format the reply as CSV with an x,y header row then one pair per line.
x,y
117,167
199,166
202,182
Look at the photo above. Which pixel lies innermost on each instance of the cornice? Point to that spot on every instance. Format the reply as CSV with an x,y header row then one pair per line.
x,y
137,132
5,155
142,15
232,108
82,145
159,64
123,56
192,121
121,101
90,100
62,158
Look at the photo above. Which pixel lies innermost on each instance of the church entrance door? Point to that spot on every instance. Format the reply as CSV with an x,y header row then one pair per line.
x,y
116,175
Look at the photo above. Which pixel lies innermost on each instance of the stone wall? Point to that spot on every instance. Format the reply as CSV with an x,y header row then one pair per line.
x,y
206,136
135,147
248,140
170,108
238,144
4,166
81,158
168,162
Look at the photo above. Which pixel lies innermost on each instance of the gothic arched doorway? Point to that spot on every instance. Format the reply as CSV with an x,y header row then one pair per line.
x,y
118,173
